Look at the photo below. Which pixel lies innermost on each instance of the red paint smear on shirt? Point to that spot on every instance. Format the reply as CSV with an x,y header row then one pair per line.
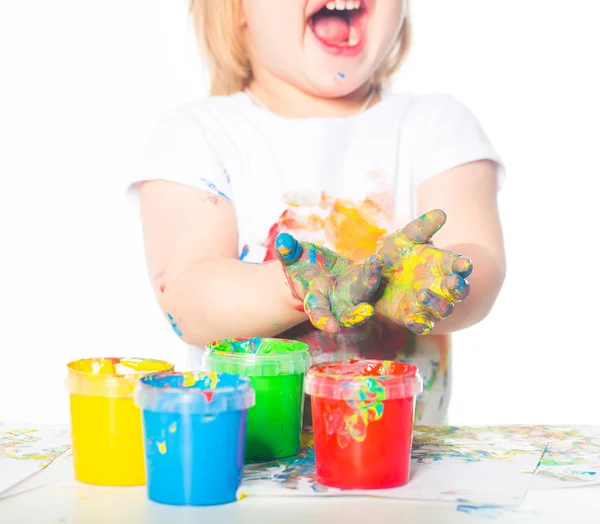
x,y
270,243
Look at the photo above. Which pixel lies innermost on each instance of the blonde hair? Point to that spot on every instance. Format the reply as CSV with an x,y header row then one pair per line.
x,y
218,30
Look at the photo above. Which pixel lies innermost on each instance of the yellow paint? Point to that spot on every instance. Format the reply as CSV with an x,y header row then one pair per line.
x,y
213,379
189,379
421,269
359,314
106,425
115,366
242,495
173,427
107,441
162,447
351,232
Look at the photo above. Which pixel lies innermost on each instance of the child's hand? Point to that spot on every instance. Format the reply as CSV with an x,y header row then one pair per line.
x,y
420,282
334,289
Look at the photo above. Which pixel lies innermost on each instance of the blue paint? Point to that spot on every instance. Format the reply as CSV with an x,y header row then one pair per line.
x,y
194,437
482,511
341,75
174,325
292,246
245,251
215,188
312,254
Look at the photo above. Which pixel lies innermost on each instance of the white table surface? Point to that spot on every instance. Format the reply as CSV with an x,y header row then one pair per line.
x,y
69,502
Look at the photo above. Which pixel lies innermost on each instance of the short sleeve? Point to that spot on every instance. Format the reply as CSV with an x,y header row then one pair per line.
x,y
444,134
180,151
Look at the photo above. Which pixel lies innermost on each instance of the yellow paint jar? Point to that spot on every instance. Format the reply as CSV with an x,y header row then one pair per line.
x,y
106,425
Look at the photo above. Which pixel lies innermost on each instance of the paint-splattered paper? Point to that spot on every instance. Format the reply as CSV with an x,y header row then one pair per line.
x,y
572,458
26,449
481,465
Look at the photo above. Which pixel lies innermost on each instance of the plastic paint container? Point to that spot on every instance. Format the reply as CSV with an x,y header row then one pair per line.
x,y
106,425
194,429
276,368
363,415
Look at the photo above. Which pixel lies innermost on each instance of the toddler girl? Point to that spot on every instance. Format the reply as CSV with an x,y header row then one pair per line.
x,y
294,173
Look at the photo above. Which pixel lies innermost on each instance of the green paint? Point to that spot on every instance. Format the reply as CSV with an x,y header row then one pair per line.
x,y
275,422
276,368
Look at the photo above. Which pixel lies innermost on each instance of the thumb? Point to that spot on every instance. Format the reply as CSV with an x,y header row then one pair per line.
x,y
423,228
287,248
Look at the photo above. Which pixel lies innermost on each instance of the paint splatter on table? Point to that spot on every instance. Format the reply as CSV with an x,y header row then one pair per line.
x,y
476,467
27,449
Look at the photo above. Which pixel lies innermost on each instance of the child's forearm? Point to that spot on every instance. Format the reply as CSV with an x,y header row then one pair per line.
x,y
226,298
485,282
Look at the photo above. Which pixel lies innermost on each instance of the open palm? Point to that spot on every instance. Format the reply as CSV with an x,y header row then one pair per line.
x,y
420,283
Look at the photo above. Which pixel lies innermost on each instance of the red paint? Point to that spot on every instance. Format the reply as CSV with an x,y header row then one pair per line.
x,y
208,395
381,461
359,449
270,243
162,288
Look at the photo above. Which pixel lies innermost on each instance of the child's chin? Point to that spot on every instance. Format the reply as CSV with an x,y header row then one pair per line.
x,y
333,86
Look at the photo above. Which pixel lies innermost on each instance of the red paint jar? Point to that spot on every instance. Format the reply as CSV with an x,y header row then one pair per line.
x,y
363,416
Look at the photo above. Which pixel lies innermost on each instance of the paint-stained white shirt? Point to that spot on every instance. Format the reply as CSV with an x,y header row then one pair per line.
x,y
339,182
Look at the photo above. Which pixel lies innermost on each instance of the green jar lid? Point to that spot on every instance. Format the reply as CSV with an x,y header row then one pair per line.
x,y
257,357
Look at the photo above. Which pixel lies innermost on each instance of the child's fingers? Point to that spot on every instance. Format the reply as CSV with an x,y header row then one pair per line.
x,y
419,324
318,309
368,280
356,315
287,248
463,266
437,305
457,286
422,229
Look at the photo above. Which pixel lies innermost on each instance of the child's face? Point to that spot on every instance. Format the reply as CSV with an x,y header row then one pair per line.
x,y
325,47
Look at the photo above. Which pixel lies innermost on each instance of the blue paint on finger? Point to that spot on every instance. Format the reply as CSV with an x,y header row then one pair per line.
x,y
288,247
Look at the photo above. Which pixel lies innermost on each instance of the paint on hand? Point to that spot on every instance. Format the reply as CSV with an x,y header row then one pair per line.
x,y
174,325
421,283
173,427
334,289
162,447
341,75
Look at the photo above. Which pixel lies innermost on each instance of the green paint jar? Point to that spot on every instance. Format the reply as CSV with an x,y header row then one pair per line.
x,y
276,368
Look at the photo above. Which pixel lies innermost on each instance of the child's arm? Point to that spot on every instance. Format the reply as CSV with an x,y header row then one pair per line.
x,y
468,195
191,249
208,294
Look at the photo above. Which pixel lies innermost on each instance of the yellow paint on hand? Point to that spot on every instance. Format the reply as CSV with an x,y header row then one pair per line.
x,y
359,314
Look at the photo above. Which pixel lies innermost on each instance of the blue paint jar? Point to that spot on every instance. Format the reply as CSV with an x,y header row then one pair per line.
x,y
194,427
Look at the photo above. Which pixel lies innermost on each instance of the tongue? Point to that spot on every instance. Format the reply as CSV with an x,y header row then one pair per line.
x,y
331,29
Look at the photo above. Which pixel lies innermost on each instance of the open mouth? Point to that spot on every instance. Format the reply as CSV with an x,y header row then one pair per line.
x,y
340,24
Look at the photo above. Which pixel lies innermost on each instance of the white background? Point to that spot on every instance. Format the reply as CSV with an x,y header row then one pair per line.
x,y
82,84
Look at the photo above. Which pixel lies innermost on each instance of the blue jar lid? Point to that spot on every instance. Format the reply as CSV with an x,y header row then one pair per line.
x,y
206,393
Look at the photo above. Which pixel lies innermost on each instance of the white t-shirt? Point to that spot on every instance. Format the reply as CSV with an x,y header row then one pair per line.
x,y
339,182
